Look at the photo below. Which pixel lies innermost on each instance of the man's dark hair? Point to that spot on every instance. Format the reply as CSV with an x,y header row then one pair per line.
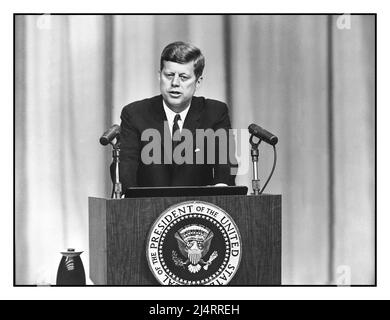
x,y
181,52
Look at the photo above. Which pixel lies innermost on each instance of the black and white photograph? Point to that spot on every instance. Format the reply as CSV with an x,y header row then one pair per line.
x,y
195,149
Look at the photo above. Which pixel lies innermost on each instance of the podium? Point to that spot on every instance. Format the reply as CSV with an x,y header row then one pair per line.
x,y
118,230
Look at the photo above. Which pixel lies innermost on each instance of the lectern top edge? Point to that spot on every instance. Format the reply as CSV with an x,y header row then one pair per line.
x,y
178,191
203,196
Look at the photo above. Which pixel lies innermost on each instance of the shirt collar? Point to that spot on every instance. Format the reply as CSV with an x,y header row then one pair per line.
x,y
171,114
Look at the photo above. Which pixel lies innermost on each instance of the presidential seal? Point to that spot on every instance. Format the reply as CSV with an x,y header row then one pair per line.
x,y
194,243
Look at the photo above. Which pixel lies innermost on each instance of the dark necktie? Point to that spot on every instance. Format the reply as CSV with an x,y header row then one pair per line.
x,y
175,129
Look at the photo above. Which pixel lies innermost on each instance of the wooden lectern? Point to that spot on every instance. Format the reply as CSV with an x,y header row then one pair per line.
x,y
118,230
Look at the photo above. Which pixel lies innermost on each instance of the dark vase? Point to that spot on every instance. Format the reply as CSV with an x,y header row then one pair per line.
x,y
71,270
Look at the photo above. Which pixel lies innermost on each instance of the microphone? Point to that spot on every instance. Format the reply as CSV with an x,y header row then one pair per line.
x,y
263,134
110,134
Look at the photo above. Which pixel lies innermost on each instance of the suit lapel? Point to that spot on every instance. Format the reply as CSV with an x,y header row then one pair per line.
x,y
192,120
158,114
160,119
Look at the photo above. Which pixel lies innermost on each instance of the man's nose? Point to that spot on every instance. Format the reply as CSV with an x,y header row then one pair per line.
x,y
176,81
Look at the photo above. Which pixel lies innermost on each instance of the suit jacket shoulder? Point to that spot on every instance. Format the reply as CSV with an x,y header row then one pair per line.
x,y
210,104
215,104
141,106
209,108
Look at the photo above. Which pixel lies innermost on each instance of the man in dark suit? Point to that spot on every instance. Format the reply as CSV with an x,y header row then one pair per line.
x,y
163,140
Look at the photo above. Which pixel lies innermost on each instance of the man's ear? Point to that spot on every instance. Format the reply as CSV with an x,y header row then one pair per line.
x,y
199,82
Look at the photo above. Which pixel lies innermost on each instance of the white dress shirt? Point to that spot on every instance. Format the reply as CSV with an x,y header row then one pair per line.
x,y
171,117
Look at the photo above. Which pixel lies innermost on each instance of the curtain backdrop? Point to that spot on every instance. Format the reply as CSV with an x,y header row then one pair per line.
x,y
305,78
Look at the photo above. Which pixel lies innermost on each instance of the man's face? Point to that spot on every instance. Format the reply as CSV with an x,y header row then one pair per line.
x,y
178,84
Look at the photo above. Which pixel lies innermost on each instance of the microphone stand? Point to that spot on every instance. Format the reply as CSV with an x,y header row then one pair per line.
x,y
255,160
117,191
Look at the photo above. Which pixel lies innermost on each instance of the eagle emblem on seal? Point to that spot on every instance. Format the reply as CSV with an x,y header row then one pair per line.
x,y
194,243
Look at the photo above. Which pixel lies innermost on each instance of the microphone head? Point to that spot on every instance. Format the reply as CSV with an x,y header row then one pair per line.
x,y
263,134
104,141
273,140
110,134
253,128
